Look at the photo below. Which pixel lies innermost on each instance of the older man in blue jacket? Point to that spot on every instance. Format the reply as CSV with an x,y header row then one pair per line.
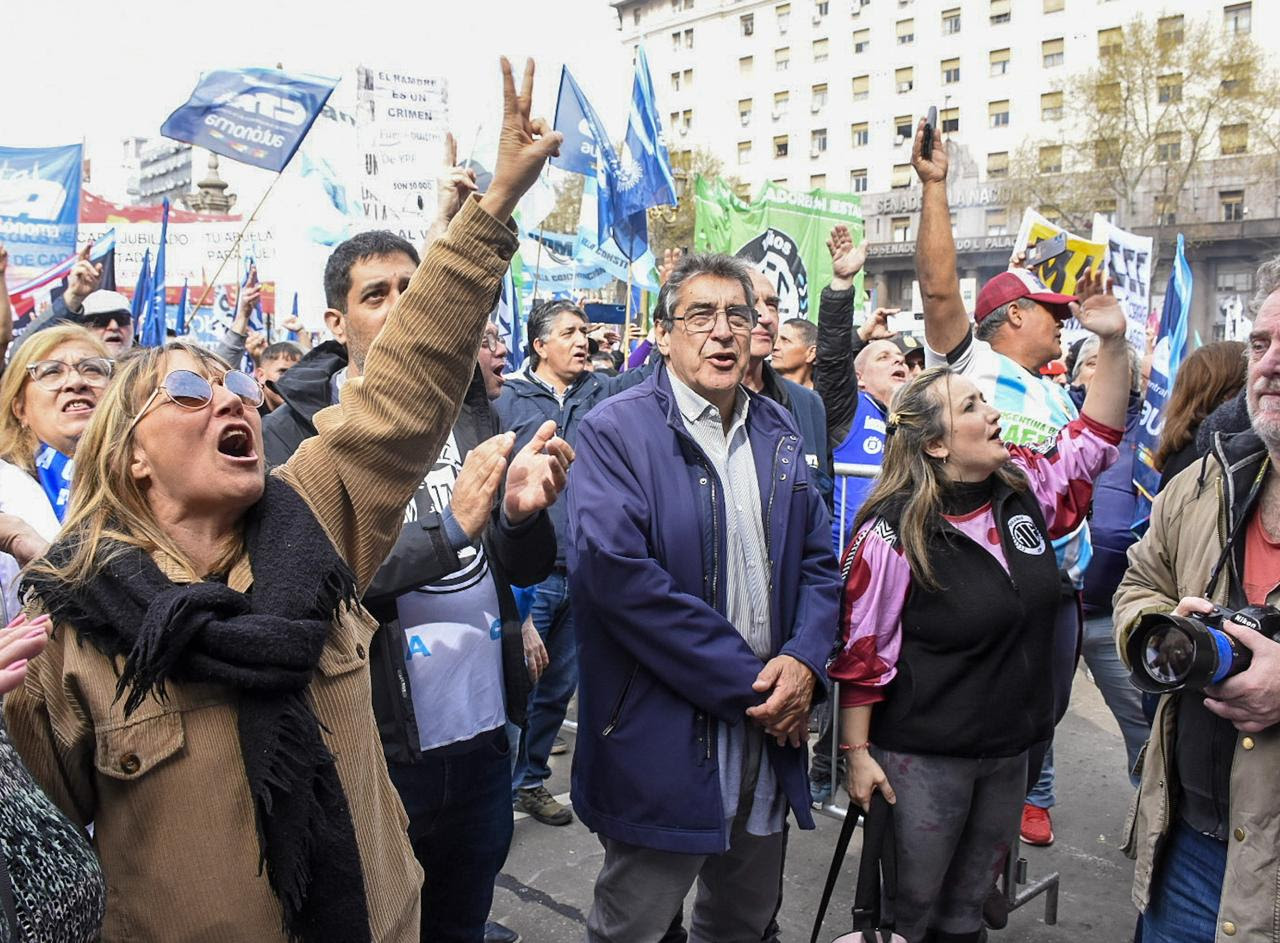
x,y
705,598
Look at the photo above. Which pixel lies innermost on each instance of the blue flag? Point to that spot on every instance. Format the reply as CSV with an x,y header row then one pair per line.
x,y
182,310
506,317
646,178
293,335
141,291
153,329
257,116
1171,343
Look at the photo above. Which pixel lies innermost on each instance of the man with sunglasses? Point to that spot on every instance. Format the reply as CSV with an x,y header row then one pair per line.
x,y
705,598
109,315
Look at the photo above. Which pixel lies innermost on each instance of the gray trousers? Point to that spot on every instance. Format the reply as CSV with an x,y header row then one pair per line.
x,y
955,819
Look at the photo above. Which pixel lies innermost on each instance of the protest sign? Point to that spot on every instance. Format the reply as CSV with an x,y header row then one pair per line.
x,y
1062,271
401,122
1128,265
39,205
782,232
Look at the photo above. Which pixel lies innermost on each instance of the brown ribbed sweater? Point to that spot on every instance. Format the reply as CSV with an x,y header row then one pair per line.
x,y
165,788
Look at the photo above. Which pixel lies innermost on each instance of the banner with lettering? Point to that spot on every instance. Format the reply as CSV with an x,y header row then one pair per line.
x,y
781,232
1062,271
39,206
1128,264
401,121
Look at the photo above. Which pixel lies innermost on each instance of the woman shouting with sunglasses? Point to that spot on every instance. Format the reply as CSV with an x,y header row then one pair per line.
x,y
49,390
205,699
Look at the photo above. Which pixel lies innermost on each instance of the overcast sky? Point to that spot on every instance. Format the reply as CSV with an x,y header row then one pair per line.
x,y
103,71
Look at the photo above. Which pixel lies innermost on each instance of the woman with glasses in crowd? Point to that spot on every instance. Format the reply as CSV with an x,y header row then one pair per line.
x,y
49,391
204,699
950,592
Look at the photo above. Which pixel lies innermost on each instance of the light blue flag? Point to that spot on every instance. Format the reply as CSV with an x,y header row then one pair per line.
x,y
182,310
153,328
1171,343
646,178
141,292
293,335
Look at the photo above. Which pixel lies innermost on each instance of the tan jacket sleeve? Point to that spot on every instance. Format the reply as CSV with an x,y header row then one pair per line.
x,y
54,739
1150,584
373,450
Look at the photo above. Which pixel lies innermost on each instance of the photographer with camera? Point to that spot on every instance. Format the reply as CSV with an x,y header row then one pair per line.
x,y
1207,821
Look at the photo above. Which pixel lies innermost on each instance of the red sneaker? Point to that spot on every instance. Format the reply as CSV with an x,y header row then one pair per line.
x,y
1037,827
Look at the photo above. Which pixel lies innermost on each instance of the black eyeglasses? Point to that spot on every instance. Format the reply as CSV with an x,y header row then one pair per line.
x,y
740,318
104,319
490,341
53,374
190,390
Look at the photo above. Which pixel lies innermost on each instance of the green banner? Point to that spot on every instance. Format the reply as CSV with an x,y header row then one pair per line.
x,y
783,233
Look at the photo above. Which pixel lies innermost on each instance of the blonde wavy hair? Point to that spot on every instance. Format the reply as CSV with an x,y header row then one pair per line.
x,y
18,443
109,510
910,478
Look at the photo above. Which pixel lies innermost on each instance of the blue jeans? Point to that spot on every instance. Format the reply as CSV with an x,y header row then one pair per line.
x,y
1186,889
1041,794
460,826
1112,679
551,695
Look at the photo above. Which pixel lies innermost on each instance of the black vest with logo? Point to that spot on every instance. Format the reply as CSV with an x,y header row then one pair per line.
x,y
974,670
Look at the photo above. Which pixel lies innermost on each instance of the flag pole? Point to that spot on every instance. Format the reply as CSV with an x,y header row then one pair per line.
x,y
537,265
235,249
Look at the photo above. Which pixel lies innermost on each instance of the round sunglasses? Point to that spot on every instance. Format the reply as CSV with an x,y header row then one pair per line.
x,y
190,390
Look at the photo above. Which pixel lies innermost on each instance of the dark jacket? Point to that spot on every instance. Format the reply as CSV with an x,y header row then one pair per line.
x,y
659,663
521,555
810,415
525,404
1229,418
834,377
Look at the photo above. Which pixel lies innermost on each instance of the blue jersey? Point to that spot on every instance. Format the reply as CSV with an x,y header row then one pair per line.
x,y
863,448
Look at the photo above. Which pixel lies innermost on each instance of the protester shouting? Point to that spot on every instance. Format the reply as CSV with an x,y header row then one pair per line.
x,y
1207,821
50,390
704,599
205,700
447,661
950,597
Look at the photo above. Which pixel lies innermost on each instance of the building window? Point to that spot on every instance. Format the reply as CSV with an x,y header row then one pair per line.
x,y
1054,6
1110,97
906,30
675,81
747,24
997,165
781,105
1241,280
820,9
746,65
1105,154
1238,18
779,181
1169,88
675,41
1168,147
860,134
1232,203
950,21
901,176
1166,211
1051,159
904,79
781,145
820,50
1110,41
1000,11
999,61
904,127
1234,139
744,111
998,112
1235,79
858,181
1050,213
950,120
817,142
861,40
997,222
1169,31
950,71
744,152
782,59
1051,50
818,98
1051,106
817,181
784,17
861,87
1107,209
900,226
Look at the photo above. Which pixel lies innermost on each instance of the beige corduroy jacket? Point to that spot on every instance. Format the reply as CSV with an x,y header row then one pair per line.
x,y
165,788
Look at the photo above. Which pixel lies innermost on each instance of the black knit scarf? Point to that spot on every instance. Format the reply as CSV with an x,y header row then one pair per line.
x,y
266,644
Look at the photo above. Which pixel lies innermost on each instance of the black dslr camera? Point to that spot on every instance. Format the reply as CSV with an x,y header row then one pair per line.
x,y
1168,652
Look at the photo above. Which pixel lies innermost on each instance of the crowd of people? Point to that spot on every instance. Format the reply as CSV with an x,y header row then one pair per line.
x,y
285,647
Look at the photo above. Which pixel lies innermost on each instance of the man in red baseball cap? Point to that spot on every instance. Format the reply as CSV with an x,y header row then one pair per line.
x,y
1021,318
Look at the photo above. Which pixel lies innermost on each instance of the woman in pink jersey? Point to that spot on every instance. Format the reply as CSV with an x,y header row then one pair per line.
x,y
950,592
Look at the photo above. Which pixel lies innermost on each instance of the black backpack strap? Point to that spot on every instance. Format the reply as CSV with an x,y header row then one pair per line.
x,y
851,817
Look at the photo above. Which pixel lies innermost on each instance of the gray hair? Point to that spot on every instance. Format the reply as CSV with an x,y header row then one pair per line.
x,y
1090,347
987,328
700,263
1268,282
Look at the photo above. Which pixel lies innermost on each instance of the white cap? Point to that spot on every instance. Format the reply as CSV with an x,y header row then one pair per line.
x,y
106,302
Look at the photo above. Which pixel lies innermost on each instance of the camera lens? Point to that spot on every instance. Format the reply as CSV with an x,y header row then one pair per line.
x,y
1169,654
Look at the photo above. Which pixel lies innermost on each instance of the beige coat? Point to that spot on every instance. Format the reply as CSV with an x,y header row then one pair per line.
x,y
1174,560
165,788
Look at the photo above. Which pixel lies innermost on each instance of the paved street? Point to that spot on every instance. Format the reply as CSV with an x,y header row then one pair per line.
x,y
545,890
